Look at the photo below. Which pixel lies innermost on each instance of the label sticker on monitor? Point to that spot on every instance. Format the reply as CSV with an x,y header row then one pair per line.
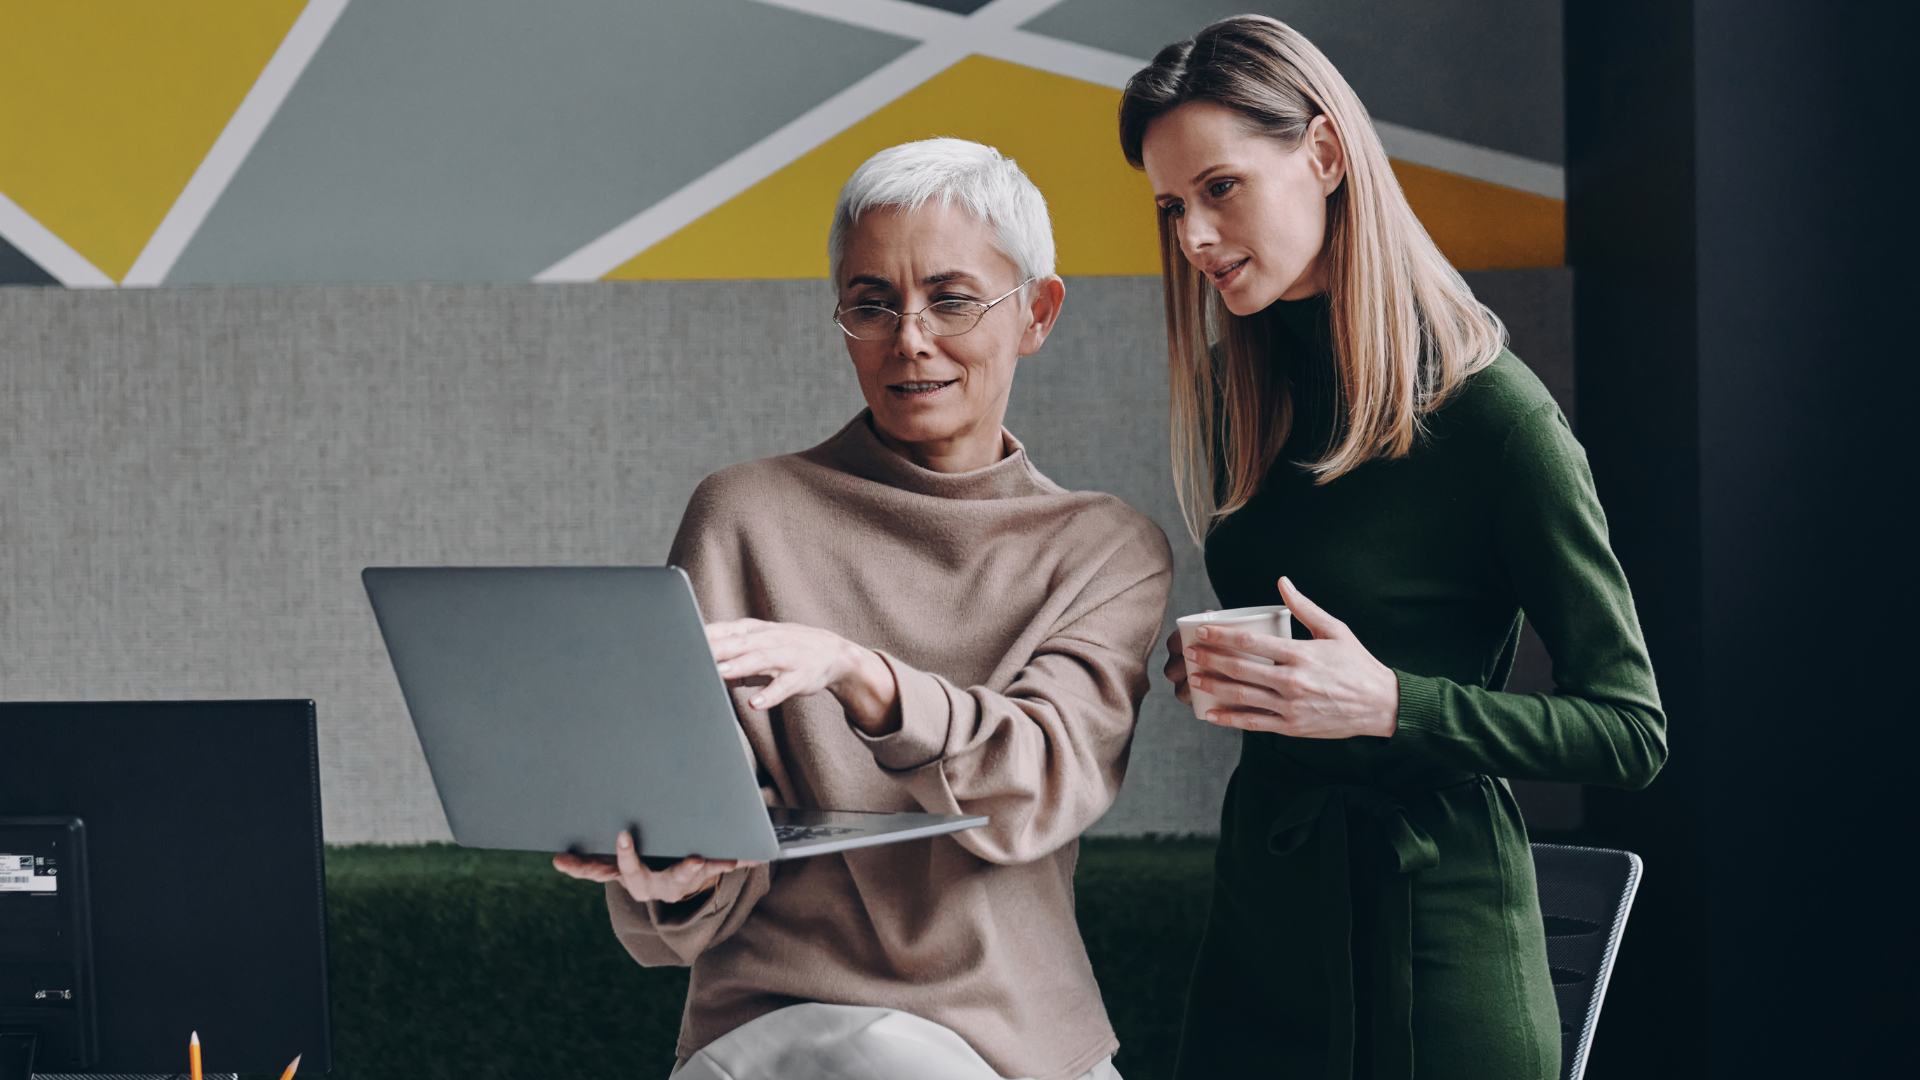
x,y
28,874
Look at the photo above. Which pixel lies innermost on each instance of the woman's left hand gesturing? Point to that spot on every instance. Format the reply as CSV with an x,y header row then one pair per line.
x,y
1327,688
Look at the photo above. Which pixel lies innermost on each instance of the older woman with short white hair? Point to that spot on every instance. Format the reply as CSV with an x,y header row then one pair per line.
x,y
914,618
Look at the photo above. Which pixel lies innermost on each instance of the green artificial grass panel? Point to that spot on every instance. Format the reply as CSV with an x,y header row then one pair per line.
x,y
449,962
1141,906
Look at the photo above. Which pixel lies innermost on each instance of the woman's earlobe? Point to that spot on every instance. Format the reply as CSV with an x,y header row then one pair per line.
x,y
1333,169
1035,337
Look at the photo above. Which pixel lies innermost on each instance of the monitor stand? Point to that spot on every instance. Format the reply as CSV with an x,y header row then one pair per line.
x,y
16,1056
16,1063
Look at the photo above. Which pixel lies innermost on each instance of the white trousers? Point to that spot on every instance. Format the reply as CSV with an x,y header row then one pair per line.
x,y
845,1042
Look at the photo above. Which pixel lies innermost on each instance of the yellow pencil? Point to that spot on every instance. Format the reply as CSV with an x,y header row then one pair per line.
x,y
193,1055
292,1067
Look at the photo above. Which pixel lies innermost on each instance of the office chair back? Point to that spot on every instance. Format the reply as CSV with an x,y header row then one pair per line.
x,y
1585,894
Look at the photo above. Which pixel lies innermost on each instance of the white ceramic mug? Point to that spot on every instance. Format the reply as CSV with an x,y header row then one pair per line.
x,y
1273,619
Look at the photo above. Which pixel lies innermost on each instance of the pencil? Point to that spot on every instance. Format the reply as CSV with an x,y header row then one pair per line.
x,y
292,1067
193,1055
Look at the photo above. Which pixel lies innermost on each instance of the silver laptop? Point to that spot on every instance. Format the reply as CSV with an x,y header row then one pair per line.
x,y
559,705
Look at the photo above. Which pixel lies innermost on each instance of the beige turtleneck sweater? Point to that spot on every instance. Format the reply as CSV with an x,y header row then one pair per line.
x,y
1018,619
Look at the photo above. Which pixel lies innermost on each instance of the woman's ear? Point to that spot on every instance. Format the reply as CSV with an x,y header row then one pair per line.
x,y
1326,153
1042,310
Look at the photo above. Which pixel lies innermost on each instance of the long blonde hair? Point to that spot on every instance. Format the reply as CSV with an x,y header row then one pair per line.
x,y
1407,331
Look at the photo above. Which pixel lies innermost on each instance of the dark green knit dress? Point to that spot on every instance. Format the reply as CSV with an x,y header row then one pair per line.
x,y
1374,912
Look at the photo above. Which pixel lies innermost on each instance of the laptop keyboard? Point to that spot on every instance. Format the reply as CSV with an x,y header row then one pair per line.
x,y
788,834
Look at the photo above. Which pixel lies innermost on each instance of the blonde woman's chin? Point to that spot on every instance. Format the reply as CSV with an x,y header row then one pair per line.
x,y
1248,296
1249,292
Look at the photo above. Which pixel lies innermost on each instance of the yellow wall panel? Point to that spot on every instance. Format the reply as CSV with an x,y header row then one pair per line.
x,y
1482,226
108,106
1062,132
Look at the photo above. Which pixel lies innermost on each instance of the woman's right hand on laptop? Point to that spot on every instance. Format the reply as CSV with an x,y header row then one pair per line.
x,y
690,876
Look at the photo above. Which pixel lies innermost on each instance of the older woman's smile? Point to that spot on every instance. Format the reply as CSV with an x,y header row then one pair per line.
x,y
919,391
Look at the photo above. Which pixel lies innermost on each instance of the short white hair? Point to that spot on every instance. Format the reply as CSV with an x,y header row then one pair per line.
x,y
969,175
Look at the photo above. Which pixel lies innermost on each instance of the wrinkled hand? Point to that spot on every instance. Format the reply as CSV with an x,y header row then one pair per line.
x,y
1327,688
799,660
688,877
1176,669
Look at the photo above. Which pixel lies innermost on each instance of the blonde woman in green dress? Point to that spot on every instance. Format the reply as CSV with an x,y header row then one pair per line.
x,y
1353,439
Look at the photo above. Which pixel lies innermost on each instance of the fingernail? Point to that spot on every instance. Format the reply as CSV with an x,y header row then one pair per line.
x,y
625,841
1206,632
1193,654
757,702
725,667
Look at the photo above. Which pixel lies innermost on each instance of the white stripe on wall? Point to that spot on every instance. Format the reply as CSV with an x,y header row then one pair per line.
x,y
1004,41
37,242
1083,62
236,141
752,165
945,39
1467,159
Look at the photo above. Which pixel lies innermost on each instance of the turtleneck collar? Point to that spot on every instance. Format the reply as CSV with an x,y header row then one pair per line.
x,y
1307,320
1303,339
857,449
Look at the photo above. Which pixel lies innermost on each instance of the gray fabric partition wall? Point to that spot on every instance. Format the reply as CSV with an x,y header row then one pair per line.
x,y
191,479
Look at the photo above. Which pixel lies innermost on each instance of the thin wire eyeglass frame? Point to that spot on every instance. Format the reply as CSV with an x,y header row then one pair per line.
x,y
921,314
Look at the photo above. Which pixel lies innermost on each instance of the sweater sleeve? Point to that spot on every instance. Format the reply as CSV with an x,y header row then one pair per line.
x,y
664,935
674,935
1602,724
1044,758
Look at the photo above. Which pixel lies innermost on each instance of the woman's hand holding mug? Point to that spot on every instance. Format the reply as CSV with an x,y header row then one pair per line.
x,y
1328,688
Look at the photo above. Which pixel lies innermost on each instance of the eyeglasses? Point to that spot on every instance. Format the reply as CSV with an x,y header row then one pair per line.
x,y
945,318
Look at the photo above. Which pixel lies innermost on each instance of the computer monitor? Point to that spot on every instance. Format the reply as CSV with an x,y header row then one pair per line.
x,y
191,832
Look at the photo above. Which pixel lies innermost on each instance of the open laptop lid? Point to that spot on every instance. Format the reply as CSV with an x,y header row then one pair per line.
x,y
557,705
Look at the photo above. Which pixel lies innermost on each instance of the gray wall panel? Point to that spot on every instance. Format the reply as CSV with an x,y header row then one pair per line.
x,y
481,140
193,478
1486,72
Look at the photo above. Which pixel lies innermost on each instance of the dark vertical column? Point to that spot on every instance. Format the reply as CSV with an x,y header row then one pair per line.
x,y
1806,406
1630,226
1745,389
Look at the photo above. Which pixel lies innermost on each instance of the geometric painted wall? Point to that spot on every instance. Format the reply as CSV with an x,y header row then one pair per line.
x,y
243,141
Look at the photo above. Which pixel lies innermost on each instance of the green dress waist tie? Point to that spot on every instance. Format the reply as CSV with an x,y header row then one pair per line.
x,y
1325,810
